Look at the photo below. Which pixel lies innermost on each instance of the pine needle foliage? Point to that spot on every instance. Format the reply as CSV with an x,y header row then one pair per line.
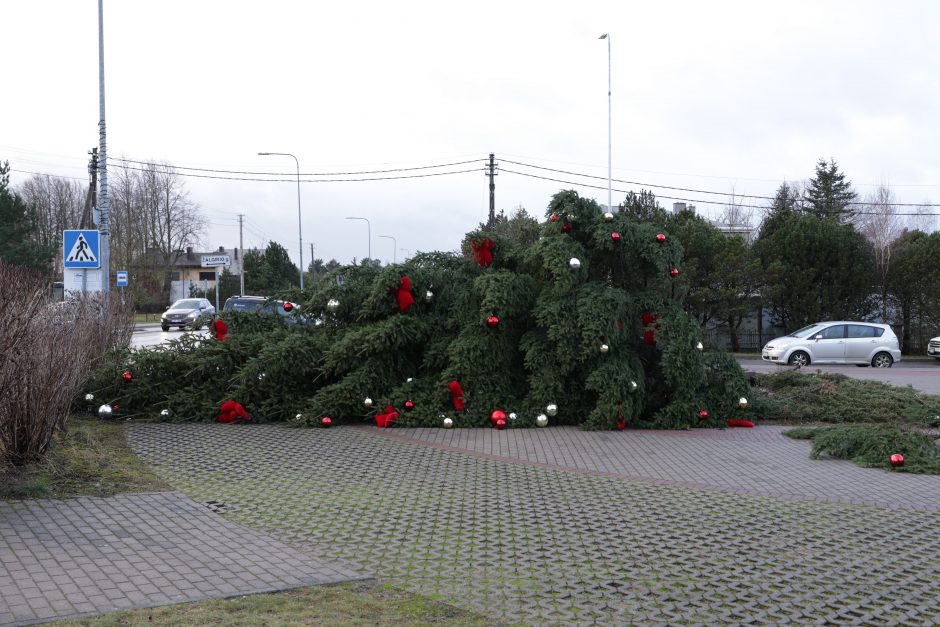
x,y
871,445
603,338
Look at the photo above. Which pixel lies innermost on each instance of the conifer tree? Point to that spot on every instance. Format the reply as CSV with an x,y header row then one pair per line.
x,y
829,194
588,319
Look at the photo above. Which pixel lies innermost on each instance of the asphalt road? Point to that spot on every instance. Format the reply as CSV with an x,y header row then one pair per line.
x,y
922,374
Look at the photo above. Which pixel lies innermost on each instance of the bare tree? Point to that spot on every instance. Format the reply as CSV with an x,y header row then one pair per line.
x,y
735,214
878,220
58,203
924,218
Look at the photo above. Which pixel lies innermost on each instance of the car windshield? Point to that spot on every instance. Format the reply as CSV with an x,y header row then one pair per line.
x,y
243,305
805,331
187,303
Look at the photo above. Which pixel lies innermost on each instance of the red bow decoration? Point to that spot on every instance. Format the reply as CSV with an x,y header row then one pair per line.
x,y
483,251
220,329
456,395
405,299
740,423
649,335
232,411
386,419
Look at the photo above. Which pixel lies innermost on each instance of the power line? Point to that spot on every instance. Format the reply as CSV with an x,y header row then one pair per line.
x,y
294,179
179,167
60,176
702,191
713,202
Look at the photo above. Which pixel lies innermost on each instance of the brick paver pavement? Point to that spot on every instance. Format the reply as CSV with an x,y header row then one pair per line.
x,y
760,461
88,556
531,542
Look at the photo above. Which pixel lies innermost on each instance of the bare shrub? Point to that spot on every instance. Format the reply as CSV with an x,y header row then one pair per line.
x,y
49,350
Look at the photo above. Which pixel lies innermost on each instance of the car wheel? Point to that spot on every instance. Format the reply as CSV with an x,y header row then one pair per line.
x,y
164,327
882,360
799,358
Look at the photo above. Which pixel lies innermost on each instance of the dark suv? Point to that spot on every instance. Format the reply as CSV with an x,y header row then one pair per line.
x,y
261,304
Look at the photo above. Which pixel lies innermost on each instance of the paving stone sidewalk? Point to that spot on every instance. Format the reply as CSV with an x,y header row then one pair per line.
x,y
535,544
86,556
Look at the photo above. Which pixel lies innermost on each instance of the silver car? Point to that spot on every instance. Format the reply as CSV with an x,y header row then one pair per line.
x,y
187,312
837,342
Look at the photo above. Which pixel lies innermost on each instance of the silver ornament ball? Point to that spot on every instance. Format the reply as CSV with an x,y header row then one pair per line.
x,y
164,412
551,409
570,217
428,296
604,348
608,216
367,402
512,416
633,386
699,347
332,304
742,403
575,263
89,398
541,420
448,423
299,417
105,411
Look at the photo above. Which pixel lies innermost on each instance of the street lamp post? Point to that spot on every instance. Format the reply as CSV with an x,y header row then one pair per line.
x,y
607,37
368,232
300,234
394,247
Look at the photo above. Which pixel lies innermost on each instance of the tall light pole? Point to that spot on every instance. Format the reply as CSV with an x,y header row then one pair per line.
x,y
368,232
607,37
394,247
300,234
105,220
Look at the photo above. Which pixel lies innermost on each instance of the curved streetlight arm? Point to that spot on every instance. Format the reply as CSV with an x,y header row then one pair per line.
x,y
300,234
368,232
394,247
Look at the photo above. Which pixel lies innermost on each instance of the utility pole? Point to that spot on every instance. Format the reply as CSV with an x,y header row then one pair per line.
x,y
105,226
313,264
241,251
491,172
91,199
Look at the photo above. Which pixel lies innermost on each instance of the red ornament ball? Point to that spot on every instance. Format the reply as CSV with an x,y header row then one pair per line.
x,y
127,376
409,405
565,227
615,236
661,238
326,421
492,322
497,415
674,272
288,306
897,460
703,415
554,217
500,424
621,424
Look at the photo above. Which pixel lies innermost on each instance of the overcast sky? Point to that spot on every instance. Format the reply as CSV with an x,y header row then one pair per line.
x,y
714,96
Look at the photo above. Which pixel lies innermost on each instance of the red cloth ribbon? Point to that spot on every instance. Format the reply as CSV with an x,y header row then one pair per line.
x,y
220,329
740,423
230,411
386,419
456,395
483,250
405,299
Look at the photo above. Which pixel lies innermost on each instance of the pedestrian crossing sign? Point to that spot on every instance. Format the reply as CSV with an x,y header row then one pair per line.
x,y
80,249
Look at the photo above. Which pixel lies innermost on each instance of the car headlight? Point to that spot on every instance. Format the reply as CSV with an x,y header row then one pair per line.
x,y
193,315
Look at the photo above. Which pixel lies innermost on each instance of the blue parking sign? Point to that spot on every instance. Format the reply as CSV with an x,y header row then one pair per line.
x,y
80,249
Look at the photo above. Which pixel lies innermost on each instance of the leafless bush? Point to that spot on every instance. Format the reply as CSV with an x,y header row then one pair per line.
x,y
49,350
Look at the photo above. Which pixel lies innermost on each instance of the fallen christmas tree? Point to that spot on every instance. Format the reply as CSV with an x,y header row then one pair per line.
x,y
584,326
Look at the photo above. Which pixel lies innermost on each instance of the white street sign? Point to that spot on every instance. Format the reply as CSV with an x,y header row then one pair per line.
x,y
213,261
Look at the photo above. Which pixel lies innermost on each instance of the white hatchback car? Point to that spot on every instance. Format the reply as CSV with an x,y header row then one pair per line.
x,y
837,342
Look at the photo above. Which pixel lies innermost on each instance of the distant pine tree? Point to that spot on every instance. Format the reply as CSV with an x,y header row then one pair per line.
x,y
829,194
